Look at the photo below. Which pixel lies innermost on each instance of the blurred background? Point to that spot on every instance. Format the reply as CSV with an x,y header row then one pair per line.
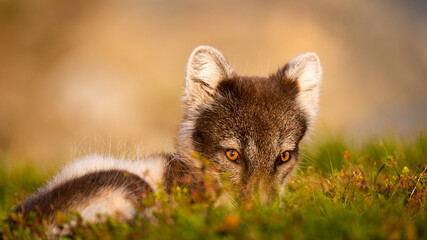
x,y
84,76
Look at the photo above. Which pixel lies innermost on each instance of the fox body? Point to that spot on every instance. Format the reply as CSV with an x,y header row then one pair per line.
x,y
249,127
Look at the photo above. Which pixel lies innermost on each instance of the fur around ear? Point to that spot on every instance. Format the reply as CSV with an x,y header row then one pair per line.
x,y
206,67
307,71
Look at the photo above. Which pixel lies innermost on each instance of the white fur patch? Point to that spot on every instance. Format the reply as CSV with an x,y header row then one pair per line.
x,y
109,202
307,71
150,169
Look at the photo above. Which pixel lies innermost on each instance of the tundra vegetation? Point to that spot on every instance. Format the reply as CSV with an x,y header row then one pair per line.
x,y
375,190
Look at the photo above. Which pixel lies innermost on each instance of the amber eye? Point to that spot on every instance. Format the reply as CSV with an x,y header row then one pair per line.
x,y
232,154
285,156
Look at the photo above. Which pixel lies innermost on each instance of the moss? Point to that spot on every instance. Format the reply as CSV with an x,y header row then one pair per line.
x,y
343,192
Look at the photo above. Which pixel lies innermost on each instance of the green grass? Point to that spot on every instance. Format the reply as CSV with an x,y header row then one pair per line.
x,y
374,191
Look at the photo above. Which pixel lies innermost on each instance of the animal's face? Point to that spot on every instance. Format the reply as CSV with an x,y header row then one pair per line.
x,y
249,127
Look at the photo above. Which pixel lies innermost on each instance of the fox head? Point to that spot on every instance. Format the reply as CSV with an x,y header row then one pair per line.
x,y
250,127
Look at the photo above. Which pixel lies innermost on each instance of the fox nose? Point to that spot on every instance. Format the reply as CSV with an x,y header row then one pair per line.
x,y
247,193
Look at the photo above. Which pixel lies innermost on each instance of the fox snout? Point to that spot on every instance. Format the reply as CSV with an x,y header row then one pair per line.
x,y
259,188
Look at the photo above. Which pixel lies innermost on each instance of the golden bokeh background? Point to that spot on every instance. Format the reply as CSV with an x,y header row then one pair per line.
x,y
82,74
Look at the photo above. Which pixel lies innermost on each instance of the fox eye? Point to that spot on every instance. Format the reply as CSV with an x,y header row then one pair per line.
x,y
232,154
285,156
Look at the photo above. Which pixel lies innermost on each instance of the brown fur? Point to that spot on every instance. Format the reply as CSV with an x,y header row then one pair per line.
x,y
259,117
78,193
255,109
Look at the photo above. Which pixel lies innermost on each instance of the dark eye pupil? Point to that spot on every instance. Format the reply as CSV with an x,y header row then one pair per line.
x,y
232,153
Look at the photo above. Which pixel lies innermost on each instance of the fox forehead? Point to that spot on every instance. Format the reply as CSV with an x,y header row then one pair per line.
x,y
255,114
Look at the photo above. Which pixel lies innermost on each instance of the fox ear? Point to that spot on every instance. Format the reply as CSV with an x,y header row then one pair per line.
x,y
306,70
206,68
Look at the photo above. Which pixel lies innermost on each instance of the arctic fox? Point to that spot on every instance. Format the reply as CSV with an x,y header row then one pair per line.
x,y
250,127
